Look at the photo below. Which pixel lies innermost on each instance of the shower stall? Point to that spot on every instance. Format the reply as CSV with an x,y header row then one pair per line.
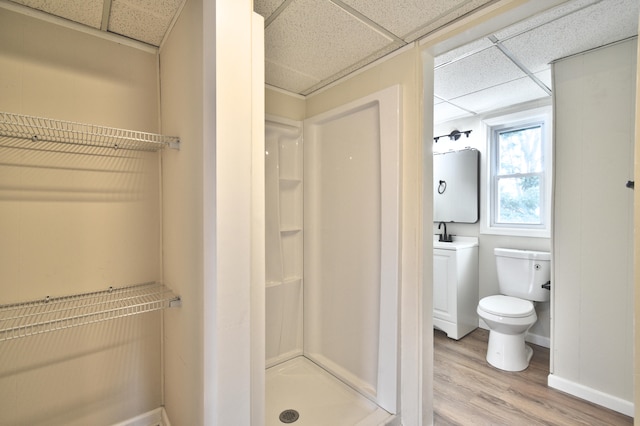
x,y
332,252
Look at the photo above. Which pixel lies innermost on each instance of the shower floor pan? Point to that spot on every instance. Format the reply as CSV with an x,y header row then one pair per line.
x,y
318,397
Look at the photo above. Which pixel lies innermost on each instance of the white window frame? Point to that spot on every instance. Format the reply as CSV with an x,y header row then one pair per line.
x,y
516,120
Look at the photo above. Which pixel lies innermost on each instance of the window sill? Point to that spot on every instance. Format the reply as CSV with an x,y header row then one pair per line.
x,y
517,232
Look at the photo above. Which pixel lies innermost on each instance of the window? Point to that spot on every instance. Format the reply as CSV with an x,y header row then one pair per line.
x,y
519,175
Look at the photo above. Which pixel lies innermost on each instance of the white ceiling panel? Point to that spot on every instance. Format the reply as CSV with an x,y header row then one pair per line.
x,y
266,7
403,17
543,18
336,38
294,81
462,51
86,12
482,70
312,43
445,111
593,26
501,96
354,67
465,8
144,20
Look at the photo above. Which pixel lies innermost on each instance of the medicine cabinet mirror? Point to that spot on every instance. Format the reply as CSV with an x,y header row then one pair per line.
x,y
455,179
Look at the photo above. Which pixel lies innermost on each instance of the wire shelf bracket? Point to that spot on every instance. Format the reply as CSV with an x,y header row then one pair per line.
x,y
39,129
58,313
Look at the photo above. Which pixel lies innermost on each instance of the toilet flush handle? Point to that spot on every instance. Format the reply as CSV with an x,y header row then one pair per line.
x,y
547,285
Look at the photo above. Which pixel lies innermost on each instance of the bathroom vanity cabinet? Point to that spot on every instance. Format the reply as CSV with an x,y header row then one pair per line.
x,y
455,286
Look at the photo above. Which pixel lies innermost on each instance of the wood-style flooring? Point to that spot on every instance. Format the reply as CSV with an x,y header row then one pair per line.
x,y
468,391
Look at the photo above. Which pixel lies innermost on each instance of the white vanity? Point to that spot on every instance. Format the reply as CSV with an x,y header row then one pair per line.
x,y
455,286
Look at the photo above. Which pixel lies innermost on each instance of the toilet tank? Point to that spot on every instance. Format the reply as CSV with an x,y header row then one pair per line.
x,y
521,273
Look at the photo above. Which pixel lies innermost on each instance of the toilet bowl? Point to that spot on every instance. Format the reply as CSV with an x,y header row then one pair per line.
x,y
523,278
509,319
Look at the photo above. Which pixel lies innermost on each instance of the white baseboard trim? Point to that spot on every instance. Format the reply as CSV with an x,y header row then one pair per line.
x,y
157,417
536,339
592,395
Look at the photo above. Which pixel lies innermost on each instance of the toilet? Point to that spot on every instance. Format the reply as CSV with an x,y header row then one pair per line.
x,y
509,315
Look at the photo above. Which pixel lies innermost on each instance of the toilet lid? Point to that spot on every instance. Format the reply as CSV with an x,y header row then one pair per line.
x,y
506,306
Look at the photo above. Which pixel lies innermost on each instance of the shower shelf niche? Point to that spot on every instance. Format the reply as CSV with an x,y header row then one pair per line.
x,y
39,129
51,314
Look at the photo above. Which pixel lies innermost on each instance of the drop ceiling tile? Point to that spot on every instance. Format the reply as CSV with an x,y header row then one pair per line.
x,y
287,78
482,70
501,96
354,67
445,111
543,18
87,12
583,30
464,8
462,51
404,17
335,38
144,20
545,77
266,7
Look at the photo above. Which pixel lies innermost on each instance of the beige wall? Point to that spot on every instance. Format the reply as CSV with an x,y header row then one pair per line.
x,y
74,220
181,68
283,104
207,205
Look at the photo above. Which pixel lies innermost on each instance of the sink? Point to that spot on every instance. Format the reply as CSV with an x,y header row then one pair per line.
x,y
457,243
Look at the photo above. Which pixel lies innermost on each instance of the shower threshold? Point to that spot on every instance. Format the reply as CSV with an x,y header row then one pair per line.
x,y
318,397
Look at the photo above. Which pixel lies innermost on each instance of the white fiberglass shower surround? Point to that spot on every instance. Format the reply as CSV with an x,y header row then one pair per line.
x,y
332,241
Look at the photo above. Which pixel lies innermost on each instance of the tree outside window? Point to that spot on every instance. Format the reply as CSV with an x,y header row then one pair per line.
x,y
518,176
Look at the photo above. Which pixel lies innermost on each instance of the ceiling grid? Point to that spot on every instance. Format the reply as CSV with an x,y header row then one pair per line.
x,y
313,43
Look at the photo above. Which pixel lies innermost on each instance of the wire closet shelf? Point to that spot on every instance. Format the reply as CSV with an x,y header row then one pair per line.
x,y
51,314
39,129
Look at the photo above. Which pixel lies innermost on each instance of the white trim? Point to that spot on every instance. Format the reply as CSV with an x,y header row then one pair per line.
x,y
537,339
52,19
522,116
592,395
285,92
150,418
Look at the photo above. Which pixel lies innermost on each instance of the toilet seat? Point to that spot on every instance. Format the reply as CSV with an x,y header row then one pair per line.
x,y
506,306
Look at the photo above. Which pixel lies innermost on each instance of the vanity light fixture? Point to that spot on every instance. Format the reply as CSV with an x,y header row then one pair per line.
x,y
453,136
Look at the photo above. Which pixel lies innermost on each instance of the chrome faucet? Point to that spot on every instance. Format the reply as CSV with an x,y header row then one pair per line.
x,y
444,237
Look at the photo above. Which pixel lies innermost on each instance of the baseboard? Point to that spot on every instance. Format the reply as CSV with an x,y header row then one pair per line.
x,y
592,395
283,358
536,339
157,417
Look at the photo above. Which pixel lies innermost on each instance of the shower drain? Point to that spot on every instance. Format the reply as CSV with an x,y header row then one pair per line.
x,y
289,416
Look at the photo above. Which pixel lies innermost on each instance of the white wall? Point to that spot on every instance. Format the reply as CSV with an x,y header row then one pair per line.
x,y
403,69
74,220
593,227
488,279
